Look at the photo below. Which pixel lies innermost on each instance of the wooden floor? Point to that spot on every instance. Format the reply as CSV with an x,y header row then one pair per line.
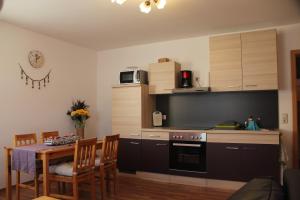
x,y
138,189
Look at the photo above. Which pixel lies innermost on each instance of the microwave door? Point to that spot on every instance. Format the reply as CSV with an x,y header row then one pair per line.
x,y
127,77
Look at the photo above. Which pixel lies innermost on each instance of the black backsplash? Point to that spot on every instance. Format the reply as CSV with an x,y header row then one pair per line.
x,y
207,109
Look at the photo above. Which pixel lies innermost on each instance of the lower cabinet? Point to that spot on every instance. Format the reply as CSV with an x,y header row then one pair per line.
x,y
155,156
129,155
242,162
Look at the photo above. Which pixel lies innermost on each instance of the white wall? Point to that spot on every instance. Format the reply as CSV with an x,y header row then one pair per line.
x,y
25,110
193,54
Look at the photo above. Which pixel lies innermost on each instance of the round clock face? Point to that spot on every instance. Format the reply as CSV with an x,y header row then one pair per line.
x,y
36,58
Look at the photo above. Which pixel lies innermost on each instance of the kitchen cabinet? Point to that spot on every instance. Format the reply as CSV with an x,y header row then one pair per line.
x,y
132,108
129,155
242,162
155,156
225,63
163,77
155,151
259,60
244,61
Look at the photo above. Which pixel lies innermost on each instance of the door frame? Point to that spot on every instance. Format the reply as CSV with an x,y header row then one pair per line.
x,y
294,54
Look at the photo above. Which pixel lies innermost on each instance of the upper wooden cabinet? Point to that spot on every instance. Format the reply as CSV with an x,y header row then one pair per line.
x,y
163,77
246,61
259,60
132,108
226,63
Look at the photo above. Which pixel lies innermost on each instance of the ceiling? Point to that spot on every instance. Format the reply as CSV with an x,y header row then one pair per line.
x,y
99,24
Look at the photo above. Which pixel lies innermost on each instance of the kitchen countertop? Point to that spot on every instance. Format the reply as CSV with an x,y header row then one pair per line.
x,y
213,131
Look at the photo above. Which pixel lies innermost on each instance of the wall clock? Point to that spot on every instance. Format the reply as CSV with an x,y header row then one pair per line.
x,y
36,59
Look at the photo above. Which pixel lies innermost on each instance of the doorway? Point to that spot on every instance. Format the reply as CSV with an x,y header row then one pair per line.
x,y
295,60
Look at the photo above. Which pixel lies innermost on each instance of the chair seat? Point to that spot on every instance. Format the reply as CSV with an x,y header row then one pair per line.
x,y
63,169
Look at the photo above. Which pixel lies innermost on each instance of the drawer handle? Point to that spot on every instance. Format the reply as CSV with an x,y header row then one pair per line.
x,y
232,148
234,86
161,144
251,85
154,136
135,143
134,134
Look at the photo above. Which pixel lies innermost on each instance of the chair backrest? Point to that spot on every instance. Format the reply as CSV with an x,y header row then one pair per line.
x,y
84,157
48,135
109,151
24,139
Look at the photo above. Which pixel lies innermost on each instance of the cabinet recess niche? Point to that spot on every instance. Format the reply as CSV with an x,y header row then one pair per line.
x,y
246,61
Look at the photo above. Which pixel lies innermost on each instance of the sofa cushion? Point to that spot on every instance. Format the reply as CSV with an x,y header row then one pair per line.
x,y
291,180
259,189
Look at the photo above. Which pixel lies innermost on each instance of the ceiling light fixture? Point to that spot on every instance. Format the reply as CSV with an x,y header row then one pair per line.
x,y
146,5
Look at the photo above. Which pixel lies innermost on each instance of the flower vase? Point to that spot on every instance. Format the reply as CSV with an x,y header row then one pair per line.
x,y
80,132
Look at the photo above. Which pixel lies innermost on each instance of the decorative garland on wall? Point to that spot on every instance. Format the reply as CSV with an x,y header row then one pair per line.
x,y
44,80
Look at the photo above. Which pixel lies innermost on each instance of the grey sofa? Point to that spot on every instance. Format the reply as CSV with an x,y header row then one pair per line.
x,y
268,189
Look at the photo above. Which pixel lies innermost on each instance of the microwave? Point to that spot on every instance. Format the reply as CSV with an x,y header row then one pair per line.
x,y
134,76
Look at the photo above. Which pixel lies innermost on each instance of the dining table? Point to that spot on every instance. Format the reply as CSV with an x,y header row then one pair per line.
x,y
45,156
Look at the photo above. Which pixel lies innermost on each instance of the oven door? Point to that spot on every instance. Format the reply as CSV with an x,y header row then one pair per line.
x,y
188,156
127,77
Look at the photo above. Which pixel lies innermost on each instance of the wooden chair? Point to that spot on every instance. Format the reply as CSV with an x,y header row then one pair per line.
x,y
81,170
107,163
24,140
48,135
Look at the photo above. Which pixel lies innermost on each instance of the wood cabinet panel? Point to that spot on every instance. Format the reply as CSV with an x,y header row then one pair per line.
x,y
155,135
155,156
163,77
259,60
132,108
225,63
127,110
129,155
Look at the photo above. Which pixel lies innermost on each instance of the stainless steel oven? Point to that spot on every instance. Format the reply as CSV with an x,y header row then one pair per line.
x,y
188,151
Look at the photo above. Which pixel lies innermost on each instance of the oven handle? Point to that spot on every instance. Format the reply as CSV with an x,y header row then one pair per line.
x,y
186,145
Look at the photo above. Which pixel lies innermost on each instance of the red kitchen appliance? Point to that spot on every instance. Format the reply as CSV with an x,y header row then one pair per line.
x,y
186,79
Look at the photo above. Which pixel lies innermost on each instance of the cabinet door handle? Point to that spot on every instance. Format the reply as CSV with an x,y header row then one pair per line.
x,y
159,144
232,148
135,143
154,136
251,85
134,134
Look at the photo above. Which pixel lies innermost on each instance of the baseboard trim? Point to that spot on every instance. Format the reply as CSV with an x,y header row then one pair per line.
x,y
183,180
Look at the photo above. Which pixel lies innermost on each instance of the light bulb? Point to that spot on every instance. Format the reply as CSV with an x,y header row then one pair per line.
x,y
120,2
160,4
145,6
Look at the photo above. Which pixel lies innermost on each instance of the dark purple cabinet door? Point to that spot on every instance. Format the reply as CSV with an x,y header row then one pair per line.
x,y
260,160
129,155
224,161
242,162
155,156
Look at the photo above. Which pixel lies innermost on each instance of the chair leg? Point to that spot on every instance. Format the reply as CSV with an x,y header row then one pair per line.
x,y
36,185
18,185
107,179
102,181
93,187
75,189
115,178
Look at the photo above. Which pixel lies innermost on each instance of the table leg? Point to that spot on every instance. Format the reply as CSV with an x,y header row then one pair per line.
x,y
8,173
45,159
